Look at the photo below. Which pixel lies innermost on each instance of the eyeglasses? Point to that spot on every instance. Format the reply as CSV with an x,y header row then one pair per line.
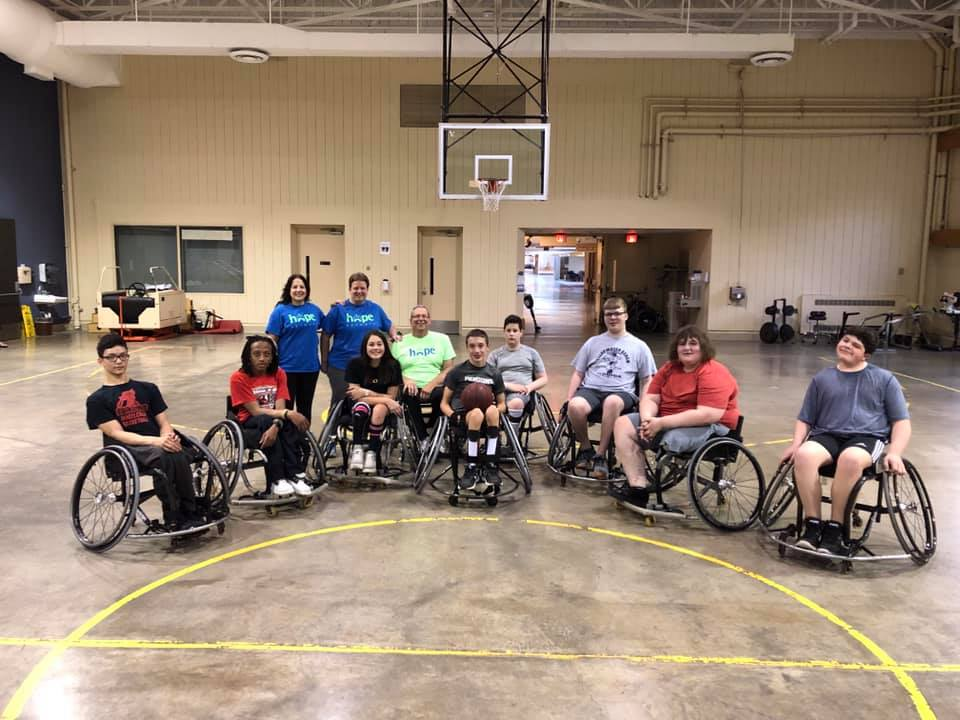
x,y
119,357
613,314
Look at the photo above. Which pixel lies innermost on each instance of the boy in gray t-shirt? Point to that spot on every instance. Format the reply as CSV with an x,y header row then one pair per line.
x,y
848,413
521,366
608,371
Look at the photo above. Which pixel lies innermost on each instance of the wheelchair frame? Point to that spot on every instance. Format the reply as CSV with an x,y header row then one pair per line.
x,y
718,453
896,497
397,439
102,491
225,440
547,425
447,481
564,444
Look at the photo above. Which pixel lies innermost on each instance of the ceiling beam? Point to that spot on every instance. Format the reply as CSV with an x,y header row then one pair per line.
x,y
746,14
899,16
650,15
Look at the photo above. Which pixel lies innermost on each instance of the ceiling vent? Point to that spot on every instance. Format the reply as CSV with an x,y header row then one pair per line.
x,y
250,56
774,58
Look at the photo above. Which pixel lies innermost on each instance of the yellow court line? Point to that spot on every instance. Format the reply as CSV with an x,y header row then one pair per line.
x,y
919,701
64,369
549,523
911,377
313,648
27,687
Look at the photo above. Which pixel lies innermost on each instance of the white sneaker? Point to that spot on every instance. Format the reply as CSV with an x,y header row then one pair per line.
x,y
282,488
356,458
370,463
300,487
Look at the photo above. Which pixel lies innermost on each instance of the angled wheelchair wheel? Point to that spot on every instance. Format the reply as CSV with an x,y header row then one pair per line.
x,y
545,417
911,513
726,484
105,498
779,497
312,458
519,456
561,452
429,456
209,480
225,441
328,436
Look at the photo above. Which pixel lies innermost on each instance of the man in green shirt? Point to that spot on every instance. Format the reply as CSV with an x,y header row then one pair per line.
x,y
425,357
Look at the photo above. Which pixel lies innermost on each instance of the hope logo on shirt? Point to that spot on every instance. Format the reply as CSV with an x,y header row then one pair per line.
x,y
359,319
305,318
426,352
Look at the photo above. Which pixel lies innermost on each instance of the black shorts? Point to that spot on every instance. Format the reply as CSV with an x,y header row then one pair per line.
x,y
836,444
595,398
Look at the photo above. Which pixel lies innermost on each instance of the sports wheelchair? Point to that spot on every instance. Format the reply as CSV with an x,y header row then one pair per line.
x,y
399,450
724,481
562,451
903,499
537,417
446,442
108,500
237,450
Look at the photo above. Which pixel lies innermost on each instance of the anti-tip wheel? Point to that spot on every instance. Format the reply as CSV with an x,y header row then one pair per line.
x,y
453,500
781,550
306,502
492,501
272,510
649,521
220,528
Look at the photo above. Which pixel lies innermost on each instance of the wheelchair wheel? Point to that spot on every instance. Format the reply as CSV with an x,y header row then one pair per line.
x,y
769,332
562,445
779,496
312,457
519,456
105,498
726,484
225,441
546,418
328,436
429,456
209,480
911,513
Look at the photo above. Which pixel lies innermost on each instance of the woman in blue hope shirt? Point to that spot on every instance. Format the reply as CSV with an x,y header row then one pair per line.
x,y
293,325
348,322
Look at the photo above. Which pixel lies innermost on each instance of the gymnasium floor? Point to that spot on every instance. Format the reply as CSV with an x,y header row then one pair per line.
x,y
388,604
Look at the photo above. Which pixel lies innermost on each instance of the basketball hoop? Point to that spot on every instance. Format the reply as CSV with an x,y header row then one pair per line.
x,y
491,189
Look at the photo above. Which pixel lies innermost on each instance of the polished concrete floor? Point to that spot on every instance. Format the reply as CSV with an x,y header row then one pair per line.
x,y
558,605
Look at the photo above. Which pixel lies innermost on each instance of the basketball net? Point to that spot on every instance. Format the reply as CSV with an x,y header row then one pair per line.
x,y
491,190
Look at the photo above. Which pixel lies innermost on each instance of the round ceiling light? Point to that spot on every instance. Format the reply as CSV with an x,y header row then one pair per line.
x,y
250,56
774,58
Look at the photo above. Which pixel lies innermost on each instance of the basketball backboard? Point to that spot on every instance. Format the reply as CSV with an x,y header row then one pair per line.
x,y
518,153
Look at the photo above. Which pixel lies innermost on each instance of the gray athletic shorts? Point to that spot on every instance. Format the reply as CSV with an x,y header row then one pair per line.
x,y
683,439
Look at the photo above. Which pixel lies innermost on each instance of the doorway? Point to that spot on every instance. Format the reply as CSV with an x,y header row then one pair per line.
x,y
440,267
560,272
318,253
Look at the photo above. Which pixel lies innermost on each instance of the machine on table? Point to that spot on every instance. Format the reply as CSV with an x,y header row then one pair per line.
x,y
52,306
156,305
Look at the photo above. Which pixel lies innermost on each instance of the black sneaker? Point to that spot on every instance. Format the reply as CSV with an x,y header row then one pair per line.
x,y
600,470
585,458
832,541
471,476
491,474
810,539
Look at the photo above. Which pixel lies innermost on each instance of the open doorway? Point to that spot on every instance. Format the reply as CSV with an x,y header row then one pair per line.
x,y
661,273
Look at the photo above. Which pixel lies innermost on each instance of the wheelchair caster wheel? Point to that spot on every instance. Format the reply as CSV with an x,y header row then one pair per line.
x,y
846,566
272,510
563,481
220,528
781,550
492,501
857,520
648,521
305,502
453,500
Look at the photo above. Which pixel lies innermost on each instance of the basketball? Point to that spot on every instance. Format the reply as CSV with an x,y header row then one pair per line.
x,y
476,396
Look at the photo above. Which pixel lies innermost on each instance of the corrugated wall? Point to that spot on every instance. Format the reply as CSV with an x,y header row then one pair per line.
x,y
317,141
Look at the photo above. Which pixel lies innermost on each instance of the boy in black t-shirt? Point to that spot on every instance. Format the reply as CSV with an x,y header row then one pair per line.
x,y
476,370
133,414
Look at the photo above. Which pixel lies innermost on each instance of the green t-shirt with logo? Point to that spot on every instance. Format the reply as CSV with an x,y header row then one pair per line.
x,y
421,359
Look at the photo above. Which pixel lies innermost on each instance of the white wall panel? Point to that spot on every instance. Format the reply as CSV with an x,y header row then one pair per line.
x,y
317,141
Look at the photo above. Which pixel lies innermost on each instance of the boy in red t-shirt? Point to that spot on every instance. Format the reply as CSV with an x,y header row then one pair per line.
x,y
691,399
259,397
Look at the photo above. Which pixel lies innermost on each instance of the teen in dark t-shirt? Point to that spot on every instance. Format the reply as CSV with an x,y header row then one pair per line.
x,y
373,380
133,414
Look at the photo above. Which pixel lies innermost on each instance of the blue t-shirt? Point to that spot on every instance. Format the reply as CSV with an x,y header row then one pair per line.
x,y
348,323
865,402
296,327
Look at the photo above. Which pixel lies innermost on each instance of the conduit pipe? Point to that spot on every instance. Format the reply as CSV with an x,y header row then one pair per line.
x,y
69,208
28,35
794,132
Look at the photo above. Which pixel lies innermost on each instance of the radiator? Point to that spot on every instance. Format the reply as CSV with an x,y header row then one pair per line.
x,y
835,305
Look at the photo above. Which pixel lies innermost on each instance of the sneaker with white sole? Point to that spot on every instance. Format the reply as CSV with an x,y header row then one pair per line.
x,y
300,486
370,463
356,458
282,488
